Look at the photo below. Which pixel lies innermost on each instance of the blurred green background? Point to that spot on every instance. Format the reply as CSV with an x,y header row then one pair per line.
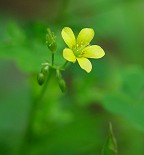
x,y
74,123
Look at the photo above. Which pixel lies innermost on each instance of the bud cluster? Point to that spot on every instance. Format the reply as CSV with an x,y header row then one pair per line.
x,y
41,77
48,68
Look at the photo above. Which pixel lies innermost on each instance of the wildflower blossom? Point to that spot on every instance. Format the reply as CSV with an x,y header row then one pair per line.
x,y
79,48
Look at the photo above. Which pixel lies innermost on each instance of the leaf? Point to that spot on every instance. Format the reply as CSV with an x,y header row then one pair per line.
x,y
27,49
128,98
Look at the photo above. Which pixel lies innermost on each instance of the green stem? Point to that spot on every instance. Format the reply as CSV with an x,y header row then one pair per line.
x,y
63,67
52,59
32,114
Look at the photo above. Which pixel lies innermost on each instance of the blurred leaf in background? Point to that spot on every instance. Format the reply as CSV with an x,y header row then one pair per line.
x,y
73,123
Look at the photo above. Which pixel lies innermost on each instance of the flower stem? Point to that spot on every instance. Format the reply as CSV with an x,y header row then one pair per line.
x,y
29,134
65,65
52,59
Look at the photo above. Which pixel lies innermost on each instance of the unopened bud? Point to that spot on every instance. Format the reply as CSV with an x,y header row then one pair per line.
x,y
50,40
62,85
45,70
61,81
40,78
59,75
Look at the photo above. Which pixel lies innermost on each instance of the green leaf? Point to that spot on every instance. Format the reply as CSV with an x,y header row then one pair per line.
x,y
27,49
127,99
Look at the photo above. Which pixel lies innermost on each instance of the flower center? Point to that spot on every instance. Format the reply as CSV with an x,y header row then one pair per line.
x,y
78,50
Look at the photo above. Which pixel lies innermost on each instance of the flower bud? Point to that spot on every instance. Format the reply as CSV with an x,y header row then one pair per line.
x,y
62,85
45,70
40,78
61,81
50,40
58,73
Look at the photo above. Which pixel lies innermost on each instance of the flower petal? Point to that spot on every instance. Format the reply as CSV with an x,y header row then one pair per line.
x,y
69,55
85,64
69,37
85,36
93,51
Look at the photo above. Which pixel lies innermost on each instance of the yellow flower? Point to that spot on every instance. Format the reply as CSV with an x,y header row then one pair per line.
x,y
80,48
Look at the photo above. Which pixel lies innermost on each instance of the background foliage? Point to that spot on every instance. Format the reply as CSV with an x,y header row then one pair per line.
x,y
75,123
